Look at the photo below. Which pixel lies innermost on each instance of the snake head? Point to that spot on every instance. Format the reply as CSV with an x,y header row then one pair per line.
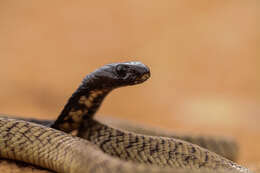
x,y
118,74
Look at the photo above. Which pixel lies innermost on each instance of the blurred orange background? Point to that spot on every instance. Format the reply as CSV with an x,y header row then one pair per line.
x,y
203,56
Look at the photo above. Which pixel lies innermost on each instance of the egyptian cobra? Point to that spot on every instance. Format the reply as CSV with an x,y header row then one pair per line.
x,y
98,147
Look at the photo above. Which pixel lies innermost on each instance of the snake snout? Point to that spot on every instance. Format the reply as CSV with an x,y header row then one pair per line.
x,y
139,73
142,77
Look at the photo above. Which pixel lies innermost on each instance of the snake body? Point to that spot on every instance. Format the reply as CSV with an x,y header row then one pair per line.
x,y
160,151
224,146
62,152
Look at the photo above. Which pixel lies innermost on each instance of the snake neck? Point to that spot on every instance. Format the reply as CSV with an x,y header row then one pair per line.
x,y
83,104
88,97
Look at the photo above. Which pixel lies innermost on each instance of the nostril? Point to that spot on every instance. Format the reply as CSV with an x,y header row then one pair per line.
x,y
147,73
146,70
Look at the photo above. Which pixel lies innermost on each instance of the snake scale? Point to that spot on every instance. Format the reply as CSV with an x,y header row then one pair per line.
x,y
98,147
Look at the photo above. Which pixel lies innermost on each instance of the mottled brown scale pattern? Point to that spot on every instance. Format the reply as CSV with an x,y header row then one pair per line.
x,y
121,137
224,146
81,108
63,153
160,151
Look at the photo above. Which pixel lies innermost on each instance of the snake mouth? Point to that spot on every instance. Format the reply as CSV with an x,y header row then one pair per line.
x,y
142,78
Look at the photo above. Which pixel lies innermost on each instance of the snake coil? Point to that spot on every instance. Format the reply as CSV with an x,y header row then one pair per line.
x,y
55,150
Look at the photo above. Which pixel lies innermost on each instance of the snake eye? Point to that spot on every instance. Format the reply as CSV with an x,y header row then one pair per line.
x,y
121,70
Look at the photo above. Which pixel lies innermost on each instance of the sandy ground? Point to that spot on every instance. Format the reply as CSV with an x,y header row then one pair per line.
x,y
203,57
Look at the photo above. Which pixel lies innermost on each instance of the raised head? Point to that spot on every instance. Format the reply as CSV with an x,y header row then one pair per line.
x,y
86,100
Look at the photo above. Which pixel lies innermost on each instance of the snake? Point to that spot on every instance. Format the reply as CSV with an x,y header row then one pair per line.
x,y
78,143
